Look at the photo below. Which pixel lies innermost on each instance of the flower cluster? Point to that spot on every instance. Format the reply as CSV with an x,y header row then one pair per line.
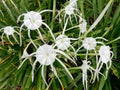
x,y
61,46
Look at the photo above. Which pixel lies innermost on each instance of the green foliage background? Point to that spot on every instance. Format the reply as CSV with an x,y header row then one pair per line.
x,y
10,56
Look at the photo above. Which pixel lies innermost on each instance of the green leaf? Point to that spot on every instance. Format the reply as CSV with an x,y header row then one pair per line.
x,y
116,70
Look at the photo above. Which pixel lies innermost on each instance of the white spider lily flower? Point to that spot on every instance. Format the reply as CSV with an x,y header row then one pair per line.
x,y
9,31
73,2
86,67
46,56
105,54
105,58
33,21
25,56
82,26
90,43
69,11
63,42
25,53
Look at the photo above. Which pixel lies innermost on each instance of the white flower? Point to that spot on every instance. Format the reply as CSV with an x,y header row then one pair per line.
x,y
9,31
82,25
71,7
62,42
86,67
70,10
73,2
33,20
105,58
105,54
90,43
26,56
25,53
46,55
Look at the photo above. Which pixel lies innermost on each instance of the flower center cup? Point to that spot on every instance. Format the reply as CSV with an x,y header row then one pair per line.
x,y
83,26
9,30
62,42
45,55
104,53
32,20
89,43
69,10
85,65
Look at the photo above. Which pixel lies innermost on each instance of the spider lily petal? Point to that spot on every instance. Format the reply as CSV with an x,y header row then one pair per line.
x,y
62,53
65,68
33,67
55,73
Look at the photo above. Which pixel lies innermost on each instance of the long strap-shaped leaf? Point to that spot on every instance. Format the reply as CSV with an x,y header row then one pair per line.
x,y
8,10
99,17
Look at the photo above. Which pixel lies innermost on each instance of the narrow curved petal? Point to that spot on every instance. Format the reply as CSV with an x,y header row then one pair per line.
x,y
31,39
49,30
65,68
33,67
55,73
9,39
61,52
43,76
15,39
